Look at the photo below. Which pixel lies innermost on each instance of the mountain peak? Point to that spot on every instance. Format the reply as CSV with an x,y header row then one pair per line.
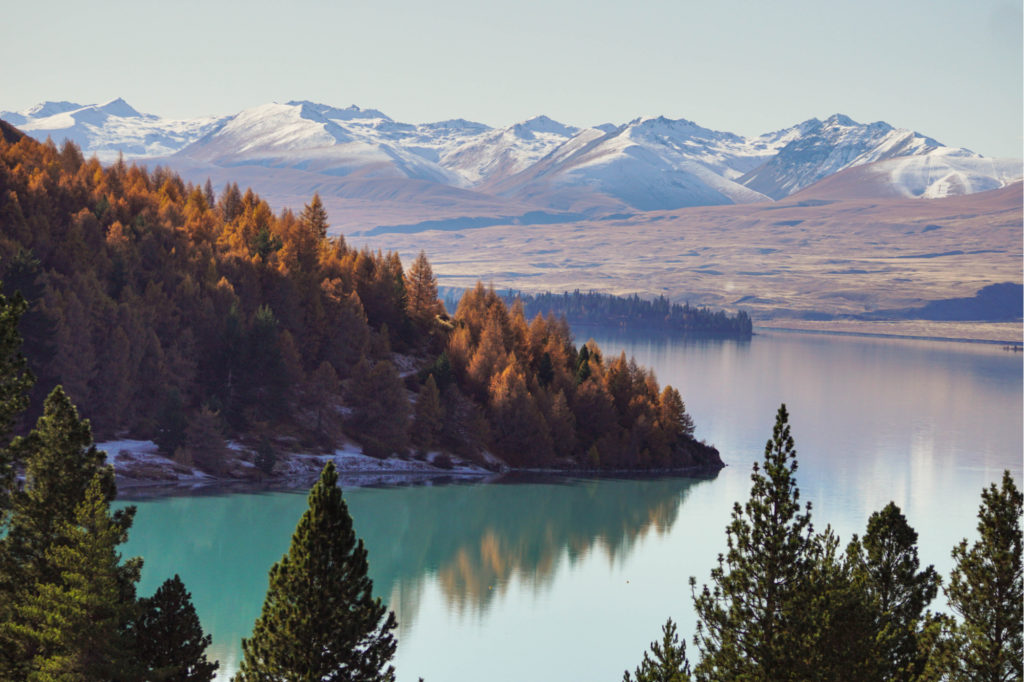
x,y
118,107
349,113
46,109
840,119
542,124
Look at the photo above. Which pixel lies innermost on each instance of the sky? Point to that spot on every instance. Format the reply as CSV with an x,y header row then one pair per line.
x,y
950,69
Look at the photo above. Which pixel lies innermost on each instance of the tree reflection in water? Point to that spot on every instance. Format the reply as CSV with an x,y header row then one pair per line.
x,y
474,540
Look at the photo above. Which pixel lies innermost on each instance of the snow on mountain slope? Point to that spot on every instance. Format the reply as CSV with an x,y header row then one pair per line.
x,y
318,138
822,148
109,129
494,154
654,163
942,173
948,172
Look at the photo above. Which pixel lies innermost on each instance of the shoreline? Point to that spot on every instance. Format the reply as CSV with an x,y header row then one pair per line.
x,y
990,333
141,473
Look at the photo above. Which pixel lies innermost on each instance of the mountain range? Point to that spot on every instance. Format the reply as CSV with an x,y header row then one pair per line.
x,y
376,173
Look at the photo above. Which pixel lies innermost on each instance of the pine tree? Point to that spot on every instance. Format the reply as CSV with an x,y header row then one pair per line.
x,y
75,626
428,417
669,663
985,591
751,623
320,620
887,557
15,382
841,628
380,410
61,461
169,639
204,442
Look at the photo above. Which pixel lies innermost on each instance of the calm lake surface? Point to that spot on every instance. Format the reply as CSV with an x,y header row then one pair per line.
x,y
572,579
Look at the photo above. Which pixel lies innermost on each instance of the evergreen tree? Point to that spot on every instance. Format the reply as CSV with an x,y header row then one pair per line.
x,y
76,626
266,456
751,624
841,630
428,417
171,424
380,411
15,382
888,559
61,461
669,663
320,620
985,591
169,639
204,442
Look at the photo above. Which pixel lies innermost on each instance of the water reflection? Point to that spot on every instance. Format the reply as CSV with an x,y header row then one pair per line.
x,y
473,541
926,424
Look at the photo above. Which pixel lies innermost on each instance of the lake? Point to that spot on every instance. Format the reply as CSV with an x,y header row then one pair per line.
x,y
570,579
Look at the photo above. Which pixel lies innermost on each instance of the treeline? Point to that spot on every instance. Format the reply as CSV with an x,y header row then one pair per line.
x,y
173,313
785,602
633,312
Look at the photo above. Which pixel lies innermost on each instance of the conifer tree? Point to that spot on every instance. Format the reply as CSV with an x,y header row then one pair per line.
x,y
428,417
320,620
314,217
985,590
15,382
887,557
169,639
751,623
75,626
61,461
380,408
841,628
669,663
421,291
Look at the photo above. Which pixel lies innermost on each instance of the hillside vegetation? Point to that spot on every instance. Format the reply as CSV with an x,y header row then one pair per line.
x,y
174,313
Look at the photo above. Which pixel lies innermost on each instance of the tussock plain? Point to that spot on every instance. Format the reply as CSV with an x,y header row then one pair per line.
x,y
786,263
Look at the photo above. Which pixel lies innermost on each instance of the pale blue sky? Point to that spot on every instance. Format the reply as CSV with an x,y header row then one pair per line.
x,y
951,69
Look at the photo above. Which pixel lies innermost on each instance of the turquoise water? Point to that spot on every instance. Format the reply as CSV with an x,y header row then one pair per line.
x,y
570,579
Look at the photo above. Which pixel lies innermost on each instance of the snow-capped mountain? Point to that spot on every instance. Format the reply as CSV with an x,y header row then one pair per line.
x,y
825,147
652,163
944,172
646,164
315,137
109,129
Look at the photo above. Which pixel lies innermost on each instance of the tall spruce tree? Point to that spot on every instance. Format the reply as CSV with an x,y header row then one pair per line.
x,y
985,591
320,620
668,663
169,639
752,622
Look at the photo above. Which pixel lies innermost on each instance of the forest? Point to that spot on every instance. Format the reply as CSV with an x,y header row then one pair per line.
x,y
174,313
633,312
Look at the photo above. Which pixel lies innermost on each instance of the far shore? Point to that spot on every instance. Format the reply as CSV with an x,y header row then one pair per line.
x,y
1006,333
